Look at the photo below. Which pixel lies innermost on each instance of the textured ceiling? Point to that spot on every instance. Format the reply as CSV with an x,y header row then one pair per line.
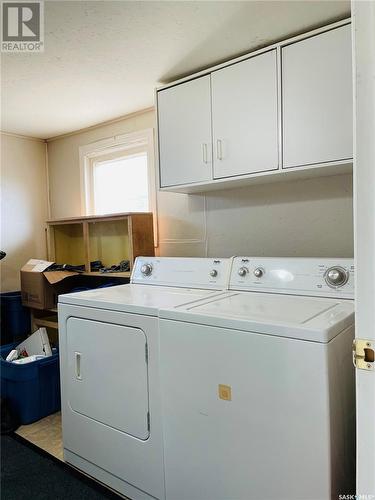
x,y
103,59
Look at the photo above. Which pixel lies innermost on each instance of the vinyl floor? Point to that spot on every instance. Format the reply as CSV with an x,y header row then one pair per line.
x,y
46,434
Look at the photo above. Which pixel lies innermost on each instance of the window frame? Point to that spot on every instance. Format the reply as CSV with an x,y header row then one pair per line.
x,y
117,146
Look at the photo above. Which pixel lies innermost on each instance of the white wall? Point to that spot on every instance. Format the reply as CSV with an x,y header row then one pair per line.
x,y
301,218
23,205
63,161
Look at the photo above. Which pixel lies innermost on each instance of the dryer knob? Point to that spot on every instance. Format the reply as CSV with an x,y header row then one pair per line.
x,y
243,271
336,276
146,269
258,272
213,273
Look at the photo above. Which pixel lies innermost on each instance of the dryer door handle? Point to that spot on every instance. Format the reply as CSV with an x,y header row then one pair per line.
x,y
77,356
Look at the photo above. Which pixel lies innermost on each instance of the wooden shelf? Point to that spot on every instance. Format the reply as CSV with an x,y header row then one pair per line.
x,y
48,322
48,319
109,238
96,218
108,275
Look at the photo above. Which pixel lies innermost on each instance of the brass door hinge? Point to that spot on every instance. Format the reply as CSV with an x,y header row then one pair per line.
x,y
363,354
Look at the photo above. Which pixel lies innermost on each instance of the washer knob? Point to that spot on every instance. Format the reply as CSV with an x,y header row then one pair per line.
x,y
336,276
243,271
146,269
213,273
258,272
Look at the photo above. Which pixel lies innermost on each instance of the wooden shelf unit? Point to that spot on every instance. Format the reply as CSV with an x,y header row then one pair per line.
x,y
48,322
47,319
108,238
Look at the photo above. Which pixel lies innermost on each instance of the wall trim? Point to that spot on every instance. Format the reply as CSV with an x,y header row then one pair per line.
x,y
19,136
46,166
81,130
102,124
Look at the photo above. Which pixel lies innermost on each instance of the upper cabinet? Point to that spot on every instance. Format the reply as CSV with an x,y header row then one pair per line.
x,y
285,110
317,99
244,117
184,123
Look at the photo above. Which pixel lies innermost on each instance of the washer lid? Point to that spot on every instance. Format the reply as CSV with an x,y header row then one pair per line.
x,y
306,318
139,299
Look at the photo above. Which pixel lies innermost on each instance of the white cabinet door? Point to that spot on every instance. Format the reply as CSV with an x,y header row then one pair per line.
x,y
244,117
317,99
184,121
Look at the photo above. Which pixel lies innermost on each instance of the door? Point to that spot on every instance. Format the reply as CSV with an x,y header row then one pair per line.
x,y
364,202
317,99
107,432
107,374
244,117
184,121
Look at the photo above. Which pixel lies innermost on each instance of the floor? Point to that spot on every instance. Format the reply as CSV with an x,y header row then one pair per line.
x,y
46,434
27,472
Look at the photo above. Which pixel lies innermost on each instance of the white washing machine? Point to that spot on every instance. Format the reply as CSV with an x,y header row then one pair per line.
x,y
258,385
109,352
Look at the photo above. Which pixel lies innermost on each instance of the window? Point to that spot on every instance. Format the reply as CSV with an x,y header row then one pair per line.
x,y
121,185
117,175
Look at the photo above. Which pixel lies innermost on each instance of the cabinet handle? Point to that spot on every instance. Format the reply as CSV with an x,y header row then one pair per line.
x,y
77,356
219,150
204,152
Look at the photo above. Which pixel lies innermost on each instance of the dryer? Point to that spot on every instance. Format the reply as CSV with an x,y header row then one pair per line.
x,y
109,360
258,385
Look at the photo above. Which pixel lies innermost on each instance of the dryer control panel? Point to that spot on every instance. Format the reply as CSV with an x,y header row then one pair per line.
x,y
301,276
190,272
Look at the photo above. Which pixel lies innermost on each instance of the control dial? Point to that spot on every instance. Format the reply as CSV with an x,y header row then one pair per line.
x,y
243,271
336,276
259,272
146,269
213,273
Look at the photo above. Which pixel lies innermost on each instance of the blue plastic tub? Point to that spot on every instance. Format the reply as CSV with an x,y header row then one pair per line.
x,y
15,319
33,389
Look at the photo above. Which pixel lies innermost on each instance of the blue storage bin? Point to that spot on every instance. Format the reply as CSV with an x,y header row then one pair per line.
x,y
33,389
15,318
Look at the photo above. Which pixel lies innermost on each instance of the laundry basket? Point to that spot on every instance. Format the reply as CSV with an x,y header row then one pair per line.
x,y
33,389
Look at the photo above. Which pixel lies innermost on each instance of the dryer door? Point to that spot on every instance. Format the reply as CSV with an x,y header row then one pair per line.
x,y
107,375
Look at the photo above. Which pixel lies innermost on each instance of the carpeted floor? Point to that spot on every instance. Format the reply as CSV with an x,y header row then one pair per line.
x,y
27,472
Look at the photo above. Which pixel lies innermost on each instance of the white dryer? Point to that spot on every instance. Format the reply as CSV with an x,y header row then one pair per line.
x,y
109,351
258,385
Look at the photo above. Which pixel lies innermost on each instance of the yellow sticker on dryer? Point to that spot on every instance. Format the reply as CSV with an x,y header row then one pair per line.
x,y
225,392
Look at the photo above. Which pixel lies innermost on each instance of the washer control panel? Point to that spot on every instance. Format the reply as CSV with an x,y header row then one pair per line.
x,y
303,276
188,272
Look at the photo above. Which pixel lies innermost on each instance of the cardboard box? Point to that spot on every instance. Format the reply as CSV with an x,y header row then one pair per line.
x,y
40,289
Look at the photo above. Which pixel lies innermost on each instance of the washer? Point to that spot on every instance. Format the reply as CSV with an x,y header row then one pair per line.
x,y
258,385
109,351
